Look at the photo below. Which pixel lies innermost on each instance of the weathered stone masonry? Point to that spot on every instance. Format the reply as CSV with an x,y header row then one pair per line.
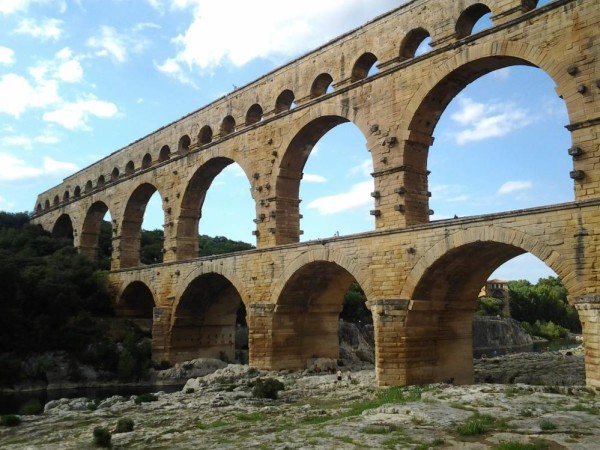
x,y
421,278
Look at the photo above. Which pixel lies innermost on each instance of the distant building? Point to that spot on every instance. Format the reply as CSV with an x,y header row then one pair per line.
x,y
497,289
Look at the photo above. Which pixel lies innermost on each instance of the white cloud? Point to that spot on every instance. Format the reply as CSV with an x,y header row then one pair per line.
x,y
7,56
484,121
18,94
228,32
70,71
14,169
358,197
116,45
510,187
75,115
8,7
27,142
501,74
311,178
46,29
365,168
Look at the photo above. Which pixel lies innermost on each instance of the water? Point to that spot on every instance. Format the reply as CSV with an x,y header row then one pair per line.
x,y
11,403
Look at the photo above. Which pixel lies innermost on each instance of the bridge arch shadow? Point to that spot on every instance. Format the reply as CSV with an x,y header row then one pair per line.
x,y
306,317
136,303
63,228
205,319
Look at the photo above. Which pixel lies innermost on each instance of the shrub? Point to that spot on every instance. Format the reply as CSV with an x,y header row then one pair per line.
x,y
476,425
124,425
10,420
102,437
546,425
145,398
269,388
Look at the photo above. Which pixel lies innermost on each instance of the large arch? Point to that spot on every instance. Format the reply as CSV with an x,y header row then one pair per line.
x,y
204,320
131,226
291,170
88,244
63,228
136,302
434,95
306,317
443,288
191,206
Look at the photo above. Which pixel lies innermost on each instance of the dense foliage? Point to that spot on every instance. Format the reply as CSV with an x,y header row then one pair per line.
x,y
543,302
489,306
355,309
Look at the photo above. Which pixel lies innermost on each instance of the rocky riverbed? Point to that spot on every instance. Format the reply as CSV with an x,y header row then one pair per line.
x,y
218,410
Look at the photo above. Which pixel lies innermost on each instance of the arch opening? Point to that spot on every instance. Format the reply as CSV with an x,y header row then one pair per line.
x,y
96,235
334,184
254,114
285,101
227,126
101,182
88,186
416,43
129,168
131,228
184,144
322,85
114,175
219,178
146,161
63,228
206,134
306,321
364,67
164,154
66,196
56,201
474,19
46,204
207,318
136,303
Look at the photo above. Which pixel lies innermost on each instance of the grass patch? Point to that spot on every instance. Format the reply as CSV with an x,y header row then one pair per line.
x,y
479,424
588,409
526,413
316,420
10,420
426,446
252,417
380,429
546,425
394,395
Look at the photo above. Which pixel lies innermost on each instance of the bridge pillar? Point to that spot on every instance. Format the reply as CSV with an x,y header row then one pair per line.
x,y
588,307
260,337
161,320
420,342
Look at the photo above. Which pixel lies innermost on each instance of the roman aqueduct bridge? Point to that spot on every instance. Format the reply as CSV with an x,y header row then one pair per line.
x,y
421,278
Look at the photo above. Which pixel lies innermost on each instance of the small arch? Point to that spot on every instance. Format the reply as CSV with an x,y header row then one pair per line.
x,y
146,161
284,101
528,5
363,66
254,114
227,126
101,181
206,134
77,192
129,168
47,204
56,200
39,207
321,86
164,154
63,228
469,17
91,230
184,144
88,186
66,196
114,176
412,42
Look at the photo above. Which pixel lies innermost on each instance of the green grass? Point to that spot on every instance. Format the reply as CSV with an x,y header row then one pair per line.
x,y
394,395
519,446
479,424
546,425
316,420
588,409
380,429
252,417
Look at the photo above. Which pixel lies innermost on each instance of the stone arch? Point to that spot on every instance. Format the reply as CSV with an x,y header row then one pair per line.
x,y
184,144
77,192
362,66
90,232
284,101
129,168
146,161
290,171
191,206
203,323
63,228
66,196
47,204
206,134
88,186
320,85
254,114
227,125
411,42
306,318
101,182
164,154
131,225
137,302
114,175
56,200
469,17
436,92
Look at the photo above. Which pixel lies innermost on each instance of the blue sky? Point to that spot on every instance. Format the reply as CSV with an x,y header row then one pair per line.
x,y
81,79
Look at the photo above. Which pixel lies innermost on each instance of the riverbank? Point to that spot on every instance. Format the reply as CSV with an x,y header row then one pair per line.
x,y
315,411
